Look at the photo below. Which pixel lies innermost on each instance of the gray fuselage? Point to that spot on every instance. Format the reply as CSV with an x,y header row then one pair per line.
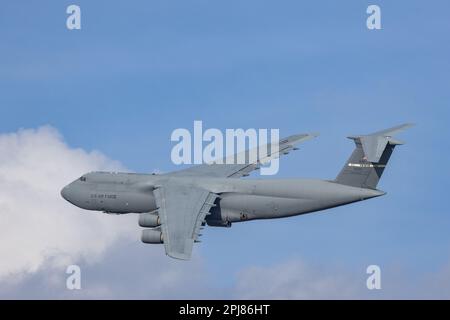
x,y
240,199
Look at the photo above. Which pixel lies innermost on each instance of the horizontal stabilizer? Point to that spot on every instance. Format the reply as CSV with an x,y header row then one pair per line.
x,y
375,143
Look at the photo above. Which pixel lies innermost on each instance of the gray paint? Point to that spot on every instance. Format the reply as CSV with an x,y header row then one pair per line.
x,y
176,205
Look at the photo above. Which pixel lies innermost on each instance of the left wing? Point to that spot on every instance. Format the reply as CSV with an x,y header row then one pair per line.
x,y
241,170
182,210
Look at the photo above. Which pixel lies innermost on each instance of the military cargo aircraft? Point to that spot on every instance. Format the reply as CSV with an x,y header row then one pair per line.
x,y
174,207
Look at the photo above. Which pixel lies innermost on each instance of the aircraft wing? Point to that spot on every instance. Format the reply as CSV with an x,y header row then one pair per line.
x,y
241,170
182,210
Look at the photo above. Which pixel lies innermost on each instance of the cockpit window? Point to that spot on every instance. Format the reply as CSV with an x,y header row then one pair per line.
x,y
83,179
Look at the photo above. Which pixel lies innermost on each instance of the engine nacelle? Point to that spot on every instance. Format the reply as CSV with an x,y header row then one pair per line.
x,y
152,236
149,220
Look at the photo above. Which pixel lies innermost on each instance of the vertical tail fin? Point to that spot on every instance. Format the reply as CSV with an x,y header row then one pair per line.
x,y
370,157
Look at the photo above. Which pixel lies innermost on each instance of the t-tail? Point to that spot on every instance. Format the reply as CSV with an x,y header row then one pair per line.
x,y
370,157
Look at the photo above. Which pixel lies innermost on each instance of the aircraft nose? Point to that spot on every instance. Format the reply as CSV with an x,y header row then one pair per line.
x,y
65,193
74,194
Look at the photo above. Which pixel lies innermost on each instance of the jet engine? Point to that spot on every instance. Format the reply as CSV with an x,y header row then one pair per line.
x,y
149,220
152,236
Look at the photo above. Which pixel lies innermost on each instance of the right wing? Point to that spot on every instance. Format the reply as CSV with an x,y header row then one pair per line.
x,y
182,210
241,170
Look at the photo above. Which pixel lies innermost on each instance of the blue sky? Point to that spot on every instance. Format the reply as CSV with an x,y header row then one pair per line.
x,y
135,72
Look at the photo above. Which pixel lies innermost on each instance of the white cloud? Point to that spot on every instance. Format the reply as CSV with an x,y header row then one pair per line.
x,y
127,270
295,279
37,225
